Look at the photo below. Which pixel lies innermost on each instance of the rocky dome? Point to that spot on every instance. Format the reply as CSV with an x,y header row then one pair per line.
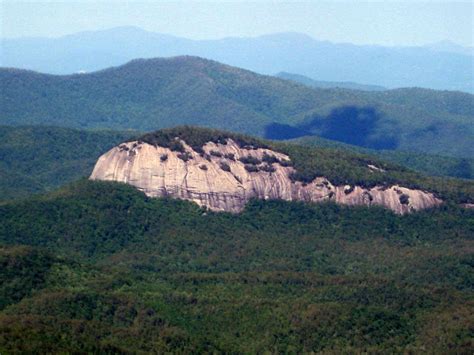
x,y
225,173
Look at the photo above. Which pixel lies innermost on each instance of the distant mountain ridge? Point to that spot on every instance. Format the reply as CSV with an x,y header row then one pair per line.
x,y
390,67
165,92
450,47
328,84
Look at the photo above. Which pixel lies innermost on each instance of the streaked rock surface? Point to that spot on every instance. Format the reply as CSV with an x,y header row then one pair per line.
x,y
223,183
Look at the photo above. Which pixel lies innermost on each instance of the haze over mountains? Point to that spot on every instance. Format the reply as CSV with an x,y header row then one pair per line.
x,y
442,65
450,47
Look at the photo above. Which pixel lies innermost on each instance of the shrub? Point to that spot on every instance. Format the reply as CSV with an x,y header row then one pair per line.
x,y
203,167
251,168
164,157
230,156
250,160
224,166
185,156
215,153
176,146
268,168
196,137
404,199
286,163
348,190
270,159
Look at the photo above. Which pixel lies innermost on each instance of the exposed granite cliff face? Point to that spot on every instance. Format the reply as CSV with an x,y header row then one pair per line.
x,y
224,178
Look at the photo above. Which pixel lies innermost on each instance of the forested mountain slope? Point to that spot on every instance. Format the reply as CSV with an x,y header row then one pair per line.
x,y
434,165
98,267
157,93
37,159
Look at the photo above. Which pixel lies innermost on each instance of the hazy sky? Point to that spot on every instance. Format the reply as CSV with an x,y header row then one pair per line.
x,y
362,22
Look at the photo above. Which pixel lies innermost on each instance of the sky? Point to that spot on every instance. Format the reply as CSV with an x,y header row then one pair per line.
x,y
386,22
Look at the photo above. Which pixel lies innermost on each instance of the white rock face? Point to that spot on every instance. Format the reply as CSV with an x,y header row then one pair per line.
x,y
221,182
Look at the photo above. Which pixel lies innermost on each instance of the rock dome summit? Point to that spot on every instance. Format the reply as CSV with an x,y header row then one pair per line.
x,y
224,172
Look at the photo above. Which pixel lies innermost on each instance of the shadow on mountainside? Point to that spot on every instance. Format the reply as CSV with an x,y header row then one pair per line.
x,y
348,124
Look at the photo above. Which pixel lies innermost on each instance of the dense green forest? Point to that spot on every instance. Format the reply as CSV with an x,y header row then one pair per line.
x,y
157,93
36,159
427,164
99,267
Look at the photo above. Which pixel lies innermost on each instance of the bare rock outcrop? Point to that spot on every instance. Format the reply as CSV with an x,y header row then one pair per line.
x,y
226,176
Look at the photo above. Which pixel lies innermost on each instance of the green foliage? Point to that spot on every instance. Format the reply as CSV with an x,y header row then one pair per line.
x,y
215,153
270,159
250,160
230,156
431,165
268,168
166,276
196,137
22,270
185,156
159,93
404,199
251,168
37,159
224,166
